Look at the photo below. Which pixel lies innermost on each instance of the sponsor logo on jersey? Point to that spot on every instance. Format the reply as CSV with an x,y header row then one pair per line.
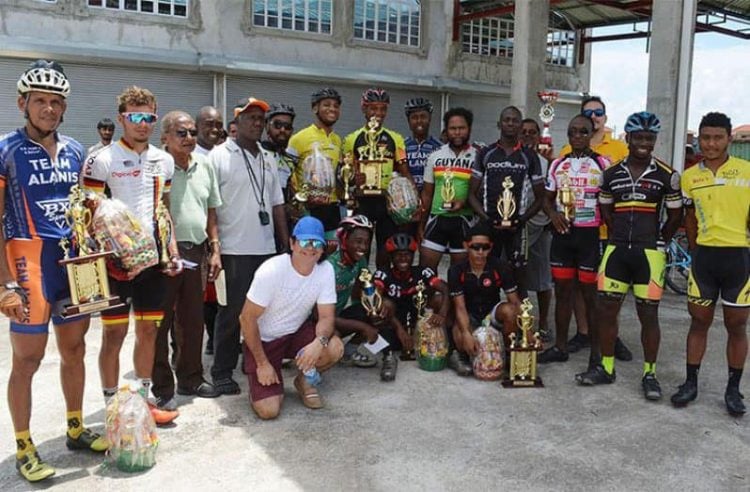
x,y
124,174
54,210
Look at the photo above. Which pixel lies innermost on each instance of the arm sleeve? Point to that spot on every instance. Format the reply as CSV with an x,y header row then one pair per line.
x,y
429,277
400,147
535,167
605,190
509,285
673,196
94,175
477,170
263,287
328,288
168,173
687,196
380,279
429,169
277,197
551,184
455,286
214,196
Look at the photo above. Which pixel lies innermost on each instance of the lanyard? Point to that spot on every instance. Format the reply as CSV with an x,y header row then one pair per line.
x,y
254,181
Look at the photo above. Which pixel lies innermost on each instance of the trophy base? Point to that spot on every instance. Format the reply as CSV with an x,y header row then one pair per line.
x,y
371,192
447,205
523,383
91,307
506,223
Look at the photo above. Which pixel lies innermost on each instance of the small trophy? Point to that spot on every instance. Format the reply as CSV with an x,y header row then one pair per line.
x,y
506,205
87,270
347,171
420,300
566,197
546,114
371,299
522,370
372,157
448,192
165,233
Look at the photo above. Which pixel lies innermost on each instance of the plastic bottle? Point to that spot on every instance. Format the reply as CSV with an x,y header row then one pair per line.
x,y
312,376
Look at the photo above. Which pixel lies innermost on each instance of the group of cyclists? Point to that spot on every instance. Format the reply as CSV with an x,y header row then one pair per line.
x,y
588,224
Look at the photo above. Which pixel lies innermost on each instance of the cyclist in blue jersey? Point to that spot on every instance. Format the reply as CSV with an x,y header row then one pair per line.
x,y
38,166
421,144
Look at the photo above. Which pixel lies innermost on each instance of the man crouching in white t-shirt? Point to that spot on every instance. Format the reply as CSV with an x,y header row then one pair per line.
x,y
277,321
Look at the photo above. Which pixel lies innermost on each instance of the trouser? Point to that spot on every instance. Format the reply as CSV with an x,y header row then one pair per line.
x,y
239,271
183,315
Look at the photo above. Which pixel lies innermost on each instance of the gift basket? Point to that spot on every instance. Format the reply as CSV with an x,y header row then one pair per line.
x,y
432,352
488,363
402,199
131,432
319,178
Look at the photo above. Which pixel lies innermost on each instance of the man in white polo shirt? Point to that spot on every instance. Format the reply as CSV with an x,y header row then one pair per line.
x,y
251,214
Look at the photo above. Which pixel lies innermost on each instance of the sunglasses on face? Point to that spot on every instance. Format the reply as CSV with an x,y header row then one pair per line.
x,y
138,118
314,243
282,125
593,112
184,133
481,246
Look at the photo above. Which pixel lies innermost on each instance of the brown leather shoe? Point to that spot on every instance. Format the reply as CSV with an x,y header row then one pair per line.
x,y
310,396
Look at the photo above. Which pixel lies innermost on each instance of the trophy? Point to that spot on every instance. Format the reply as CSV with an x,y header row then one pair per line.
x,y
506,205
546,114
87,270
371,299
347,172
372,157
448,192
165,233
522,370
420,300
566,197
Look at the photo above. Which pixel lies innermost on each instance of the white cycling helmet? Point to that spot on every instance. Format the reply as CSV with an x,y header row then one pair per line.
x,y
44,76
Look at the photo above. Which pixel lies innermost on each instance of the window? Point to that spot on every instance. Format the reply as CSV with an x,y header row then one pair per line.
x,y
175,8
294,15
387,21
493,36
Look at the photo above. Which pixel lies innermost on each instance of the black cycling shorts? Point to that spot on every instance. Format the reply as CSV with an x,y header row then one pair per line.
x,y
513,246
642,268
145,293
716,271
443,233
575,252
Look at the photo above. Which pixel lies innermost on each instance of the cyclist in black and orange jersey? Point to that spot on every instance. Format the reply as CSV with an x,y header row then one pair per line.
x,y
716,192
375,104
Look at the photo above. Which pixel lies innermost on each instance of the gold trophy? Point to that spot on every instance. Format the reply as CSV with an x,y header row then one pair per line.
x,y
87,271
372,157
347,171
546,115
506,205
448,192
522,371
165,233
371,298
566,198
420,300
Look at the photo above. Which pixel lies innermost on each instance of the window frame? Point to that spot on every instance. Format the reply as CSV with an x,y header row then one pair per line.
x,y
377,6
293,19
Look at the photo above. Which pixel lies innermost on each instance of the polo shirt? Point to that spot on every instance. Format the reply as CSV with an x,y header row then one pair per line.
x,y
194,191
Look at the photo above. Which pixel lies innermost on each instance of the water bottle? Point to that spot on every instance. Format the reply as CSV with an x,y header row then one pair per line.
x,y
312,376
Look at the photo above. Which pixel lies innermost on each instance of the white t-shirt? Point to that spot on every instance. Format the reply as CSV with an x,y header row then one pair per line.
x,y
240,230
287,296
201,150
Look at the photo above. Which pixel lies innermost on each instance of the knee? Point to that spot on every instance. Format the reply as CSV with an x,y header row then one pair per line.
x,y
506,313
267,409
72,353
114,335
334,351
26,364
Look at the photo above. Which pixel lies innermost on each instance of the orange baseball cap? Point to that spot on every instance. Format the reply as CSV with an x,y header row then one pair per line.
x,y
248,102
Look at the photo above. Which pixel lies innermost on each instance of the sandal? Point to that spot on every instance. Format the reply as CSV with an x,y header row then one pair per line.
x,y
309,395
363,358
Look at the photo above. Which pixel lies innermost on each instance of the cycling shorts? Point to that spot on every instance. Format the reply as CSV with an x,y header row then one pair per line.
x,y
513,246
145,293
716,271
375,209
34,265
575,252
640,267
443,233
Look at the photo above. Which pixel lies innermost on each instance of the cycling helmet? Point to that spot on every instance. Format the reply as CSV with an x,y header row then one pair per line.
x,y
643,122
325,93
401,242
375,96
417,104
44,76
348,224
277,109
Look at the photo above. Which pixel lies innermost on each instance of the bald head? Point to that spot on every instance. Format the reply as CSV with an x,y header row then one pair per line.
x,y
210,125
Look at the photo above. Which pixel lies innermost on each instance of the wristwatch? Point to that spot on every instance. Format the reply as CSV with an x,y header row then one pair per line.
x,y
323,340
12,285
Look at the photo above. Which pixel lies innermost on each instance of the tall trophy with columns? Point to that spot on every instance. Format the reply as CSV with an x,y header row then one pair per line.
x,y
546,115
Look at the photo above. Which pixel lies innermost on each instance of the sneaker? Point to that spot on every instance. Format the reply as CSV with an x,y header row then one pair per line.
x,y
733,399
685,394
594,376
166,403
227,386
89,440
622,352
32,468
390,365
578,342
651,387
162,416
552,354
203,390
459,362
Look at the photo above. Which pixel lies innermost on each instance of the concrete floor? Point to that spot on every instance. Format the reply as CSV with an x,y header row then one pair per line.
x,y
425,431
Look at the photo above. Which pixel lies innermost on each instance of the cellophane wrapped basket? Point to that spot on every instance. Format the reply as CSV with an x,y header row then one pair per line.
x,y
131,432
488,363
432,346
402,199
319,177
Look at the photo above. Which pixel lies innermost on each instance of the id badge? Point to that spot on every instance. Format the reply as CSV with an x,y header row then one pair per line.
x,y
265,219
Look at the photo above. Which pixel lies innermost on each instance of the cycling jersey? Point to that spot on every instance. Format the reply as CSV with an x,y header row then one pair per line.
x,y
445,160
721,202
302,144
345,275
493,165
138,180
390,141
416,157
585,175
402,286
286,163
36,186
638,202
480,293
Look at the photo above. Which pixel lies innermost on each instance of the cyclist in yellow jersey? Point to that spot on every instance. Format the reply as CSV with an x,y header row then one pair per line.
x,y
716,192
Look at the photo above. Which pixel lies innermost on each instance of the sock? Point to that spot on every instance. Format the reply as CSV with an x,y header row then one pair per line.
x,y
734,377
692,372
75,423
649,367
145,386
24,444
608,363
108,394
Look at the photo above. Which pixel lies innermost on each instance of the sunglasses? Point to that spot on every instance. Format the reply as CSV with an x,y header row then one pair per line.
x,y
588,113
314,243
184,133
138,118
481,246
282,125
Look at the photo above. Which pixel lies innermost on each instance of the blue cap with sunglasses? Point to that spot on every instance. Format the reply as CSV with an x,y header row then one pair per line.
x,y
309,228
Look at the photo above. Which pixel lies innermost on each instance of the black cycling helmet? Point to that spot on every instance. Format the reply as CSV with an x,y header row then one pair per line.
x,y
44,76
277,109
417,104
325,93
375,96
401,242
643,122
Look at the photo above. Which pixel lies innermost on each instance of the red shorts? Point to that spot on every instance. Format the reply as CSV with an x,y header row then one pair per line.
x,y
285,347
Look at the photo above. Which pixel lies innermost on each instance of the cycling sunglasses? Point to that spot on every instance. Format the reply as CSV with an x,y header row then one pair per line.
x,y
315,243
282,125
184,133
588,113
138,118
481,246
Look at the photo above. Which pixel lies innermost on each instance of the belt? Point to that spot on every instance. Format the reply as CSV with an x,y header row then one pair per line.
x,y
189,245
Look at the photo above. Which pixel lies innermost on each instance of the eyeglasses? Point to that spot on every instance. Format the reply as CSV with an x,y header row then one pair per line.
x,y
282,125
588,113
481,246
314,243
138,118
584,132
184,133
